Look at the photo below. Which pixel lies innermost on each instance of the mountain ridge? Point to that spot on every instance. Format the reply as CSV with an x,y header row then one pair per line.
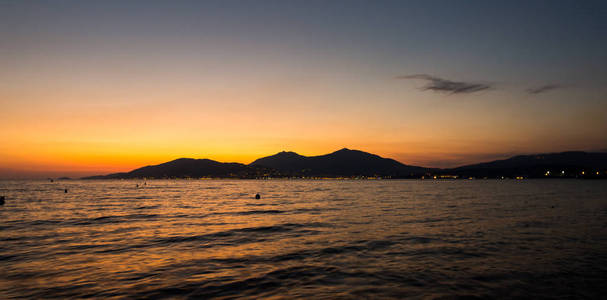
x,y
341,162
355,163
538,165
188,168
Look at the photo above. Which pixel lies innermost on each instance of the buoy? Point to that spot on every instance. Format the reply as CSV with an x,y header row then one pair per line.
x,y
65,190
257,196
1,200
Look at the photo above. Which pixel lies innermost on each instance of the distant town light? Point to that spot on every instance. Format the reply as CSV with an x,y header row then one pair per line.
x,y
582,172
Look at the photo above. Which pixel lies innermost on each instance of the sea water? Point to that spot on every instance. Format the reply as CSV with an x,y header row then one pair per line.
x,y
303,239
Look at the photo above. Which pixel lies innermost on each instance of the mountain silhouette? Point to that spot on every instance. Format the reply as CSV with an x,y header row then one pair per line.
x,y
537,165
189,168
344,162
354,163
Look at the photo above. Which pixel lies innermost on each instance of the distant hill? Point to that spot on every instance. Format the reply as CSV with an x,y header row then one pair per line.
x,y
538,165
189,168
353,163
344,162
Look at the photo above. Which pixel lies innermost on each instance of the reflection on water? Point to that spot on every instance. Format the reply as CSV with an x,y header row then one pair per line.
x,y
309,239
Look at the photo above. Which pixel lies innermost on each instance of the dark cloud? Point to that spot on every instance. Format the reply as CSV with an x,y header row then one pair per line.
x,y
441,85
544,88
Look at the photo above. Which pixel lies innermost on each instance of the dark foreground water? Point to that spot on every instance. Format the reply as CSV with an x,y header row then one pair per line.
x,y
308,239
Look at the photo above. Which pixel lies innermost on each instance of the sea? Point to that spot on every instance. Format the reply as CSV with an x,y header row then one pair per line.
x,y
310,239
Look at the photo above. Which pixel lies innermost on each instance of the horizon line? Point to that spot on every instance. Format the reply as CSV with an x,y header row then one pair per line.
x,y
95,173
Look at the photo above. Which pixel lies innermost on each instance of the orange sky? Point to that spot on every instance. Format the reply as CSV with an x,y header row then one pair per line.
x,y
81,95
79,124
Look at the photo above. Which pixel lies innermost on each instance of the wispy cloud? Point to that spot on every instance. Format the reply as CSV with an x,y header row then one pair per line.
x,y
441,85
544,88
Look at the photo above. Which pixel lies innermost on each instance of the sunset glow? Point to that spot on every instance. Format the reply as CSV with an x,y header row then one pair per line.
x,y
89,88
303,149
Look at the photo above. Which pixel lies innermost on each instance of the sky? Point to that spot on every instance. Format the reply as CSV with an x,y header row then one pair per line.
x,y
94,87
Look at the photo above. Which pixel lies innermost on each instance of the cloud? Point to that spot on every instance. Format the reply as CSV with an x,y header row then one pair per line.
x,y
441,85
543,88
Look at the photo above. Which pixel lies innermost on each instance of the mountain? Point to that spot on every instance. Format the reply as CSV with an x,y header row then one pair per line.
x,y
189,168
344,162
538,165
353,163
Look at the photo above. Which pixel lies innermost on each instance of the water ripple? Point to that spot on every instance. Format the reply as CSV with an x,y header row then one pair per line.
x,y
304,239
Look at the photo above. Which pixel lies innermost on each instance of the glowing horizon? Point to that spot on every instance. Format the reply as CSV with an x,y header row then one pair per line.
x,y
92,88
